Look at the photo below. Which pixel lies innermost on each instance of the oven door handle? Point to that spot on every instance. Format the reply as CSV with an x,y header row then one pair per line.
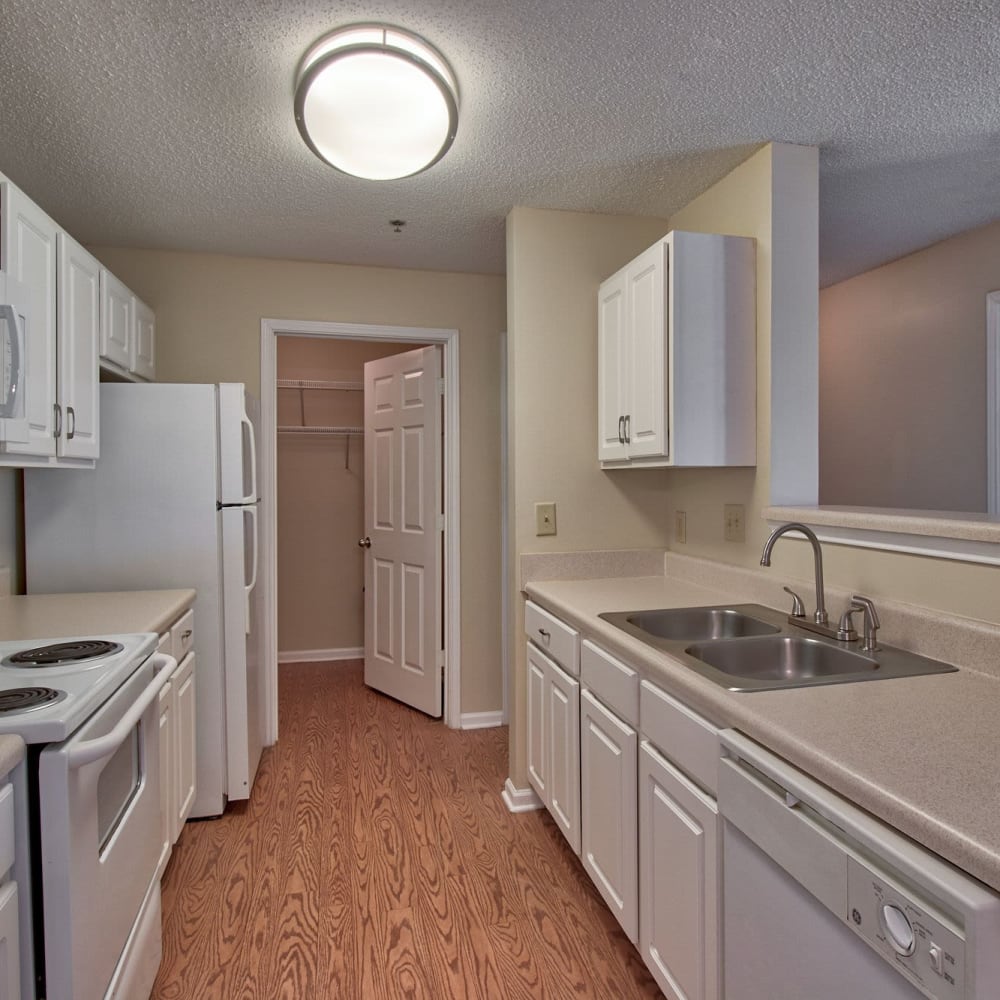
x,y
91,750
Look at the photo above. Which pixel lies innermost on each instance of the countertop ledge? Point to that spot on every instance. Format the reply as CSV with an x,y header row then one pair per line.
x,y
915,752
11,754
54,616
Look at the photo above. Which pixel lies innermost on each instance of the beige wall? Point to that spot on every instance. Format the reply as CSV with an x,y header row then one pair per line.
x,y
555,261
903,379
321,495
208,313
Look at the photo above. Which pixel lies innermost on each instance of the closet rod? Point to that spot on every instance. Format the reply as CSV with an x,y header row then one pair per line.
x,y
295,383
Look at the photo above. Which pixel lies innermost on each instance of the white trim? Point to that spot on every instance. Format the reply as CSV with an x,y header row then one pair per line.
x,y
321,655
993,402
520,800
506,626
482,720
933,546
270,330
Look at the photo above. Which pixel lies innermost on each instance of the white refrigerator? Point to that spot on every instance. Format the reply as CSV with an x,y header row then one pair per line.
x,y
173,502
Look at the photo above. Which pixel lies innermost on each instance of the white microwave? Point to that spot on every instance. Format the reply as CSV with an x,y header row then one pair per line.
x,y
14,320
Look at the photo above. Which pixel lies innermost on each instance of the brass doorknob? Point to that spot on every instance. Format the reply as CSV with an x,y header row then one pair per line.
x,y
365,543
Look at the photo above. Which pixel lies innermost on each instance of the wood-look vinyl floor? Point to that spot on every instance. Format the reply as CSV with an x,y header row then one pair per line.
x,y
377,860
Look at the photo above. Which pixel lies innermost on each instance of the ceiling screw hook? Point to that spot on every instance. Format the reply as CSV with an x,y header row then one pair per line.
x,y
397,225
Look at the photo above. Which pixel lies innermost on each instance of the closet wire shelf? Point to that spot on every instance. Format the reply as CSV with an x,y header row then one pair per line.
x,y
302,385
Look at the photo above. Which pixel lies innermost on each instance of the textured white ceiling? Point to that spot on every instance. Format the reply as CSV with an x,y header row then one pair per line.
x,y
168,123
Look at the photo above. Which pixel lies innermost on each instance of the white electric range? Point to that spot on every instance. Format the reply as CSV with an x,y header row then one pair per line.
x,y
87,709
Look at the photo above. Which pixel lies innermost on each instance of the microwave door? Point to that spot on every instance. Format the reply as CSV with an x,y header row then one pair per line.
x,y
13,355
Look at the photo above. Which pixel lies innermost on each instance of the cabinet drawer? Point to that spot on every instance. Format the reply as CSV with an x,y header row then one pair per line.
x,y
612,682
182,634
560,641
6,827
687,740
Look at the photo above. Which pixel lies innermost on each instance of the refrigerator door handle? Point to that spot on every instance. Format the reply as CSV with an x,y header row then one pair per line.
x,y
252,496
249,587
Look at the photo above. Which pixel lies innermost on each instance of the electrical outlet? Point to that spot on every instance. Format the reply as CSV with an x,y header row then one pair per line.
x,y
734,519
545,518
680,526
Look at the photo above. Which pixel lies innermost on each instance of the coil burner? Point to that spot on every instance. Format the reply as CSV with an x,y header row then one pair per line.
x,y
60,654
25,699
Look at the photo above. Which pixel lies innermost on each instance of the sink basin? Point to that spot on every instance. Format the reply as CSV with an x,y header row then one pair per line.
x,y
692,624
786,658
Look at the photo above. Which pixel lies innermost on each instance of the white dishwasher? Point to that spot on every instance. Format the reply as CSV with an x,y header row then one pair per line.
x,y
824,902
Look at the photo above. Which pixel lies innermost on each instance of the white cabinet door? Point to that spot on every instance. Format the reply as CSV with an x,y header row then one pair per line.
x,y
116,321
28,254
646,415
562,720
143,352
679,874
608,809
537,683
184,749
10,963
79,328
167,774
612,369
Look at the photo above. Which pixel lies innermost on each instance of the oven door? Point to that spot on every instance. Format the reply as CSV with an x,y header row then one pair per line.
x,y
99,818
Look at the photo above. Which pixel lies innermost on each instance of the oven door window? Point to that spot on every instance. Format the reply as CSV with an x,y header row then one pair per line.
x,y
117,787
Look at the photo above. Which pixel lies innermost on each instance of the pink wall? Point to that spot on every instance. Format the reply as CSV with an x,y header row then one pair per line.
x,y
903,379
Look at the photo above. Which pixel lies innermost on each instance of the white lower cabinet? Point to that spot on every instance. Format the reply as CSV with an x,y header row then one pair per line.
x,y
177,738
608,814
679,871
10,965
554,741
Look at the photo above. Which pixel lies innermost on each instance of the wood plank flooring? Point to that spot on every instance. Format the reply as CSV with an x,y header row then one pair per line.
x,y
377,860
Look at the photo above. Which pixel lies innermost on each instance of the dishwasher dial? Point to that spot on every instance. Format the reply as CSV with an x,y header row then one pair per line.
x,y
898,929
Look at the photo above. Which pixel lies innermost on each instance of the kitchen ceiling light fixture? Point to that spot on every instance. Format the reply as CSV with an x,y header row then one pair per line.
x,y
376,102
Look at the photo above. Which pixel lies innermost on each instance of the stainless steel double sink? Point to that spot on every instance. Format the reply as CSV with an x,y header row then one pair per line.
x,y
748,647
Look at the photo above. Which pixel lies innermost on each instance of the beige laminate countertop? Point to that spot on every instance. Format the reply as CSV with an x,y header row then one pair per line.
x,y
919,753
53,616
11,753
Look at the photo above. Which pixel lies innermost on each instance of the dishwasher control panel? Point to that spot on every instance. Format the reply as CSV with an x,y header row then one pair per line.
x,y
923,945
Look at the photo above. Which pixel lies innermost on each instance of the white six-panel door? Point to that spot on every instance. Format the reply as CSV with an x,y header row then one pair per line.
x,y
403,528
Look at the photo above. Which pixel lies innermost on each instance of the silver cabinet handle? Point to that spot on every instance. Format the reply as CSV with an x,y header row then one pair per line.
x,y
58,429
186,634
621,430
71,415
544,634
628,428
365,543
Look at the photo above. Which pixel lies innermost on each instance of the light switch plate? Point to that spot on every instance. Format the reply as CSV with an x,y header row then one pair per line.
x,y
735,522
680,526
545,518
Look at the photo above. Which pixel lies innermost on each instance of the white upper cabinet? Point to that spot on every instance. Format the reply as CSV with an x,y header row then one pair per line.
x,y
28,256
128,331
117,323
143,354
677,355
79,326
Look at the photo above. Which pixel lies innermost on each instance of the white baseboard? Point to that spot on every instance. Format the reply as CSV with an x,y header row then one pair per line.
x,y
321,655
520,800
481,720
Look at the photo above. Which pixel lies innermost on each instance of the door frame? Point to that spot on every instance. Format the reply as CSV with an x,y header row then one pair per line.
x,y
993,402
270,330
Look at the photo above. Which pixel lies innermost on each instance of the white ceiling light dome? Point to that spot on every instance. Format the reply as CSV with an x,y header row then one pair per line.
x,y
376,102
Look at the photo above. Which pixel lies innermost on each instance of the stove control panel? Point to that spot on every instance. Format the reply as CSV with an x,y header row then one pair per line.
x,y
923,944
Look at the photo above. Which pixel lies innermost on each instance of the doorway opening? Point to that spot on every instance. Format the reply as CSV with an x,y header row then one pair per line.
x,y
311,375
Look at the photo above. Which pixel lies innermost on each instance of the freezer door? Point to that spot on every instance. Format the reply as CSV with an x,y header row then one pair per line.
x,y
244,661
239,418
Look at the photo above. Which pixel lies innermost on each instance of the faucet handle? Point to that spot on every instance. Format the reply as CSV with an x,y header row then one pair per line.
x,y
872,623
798,608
